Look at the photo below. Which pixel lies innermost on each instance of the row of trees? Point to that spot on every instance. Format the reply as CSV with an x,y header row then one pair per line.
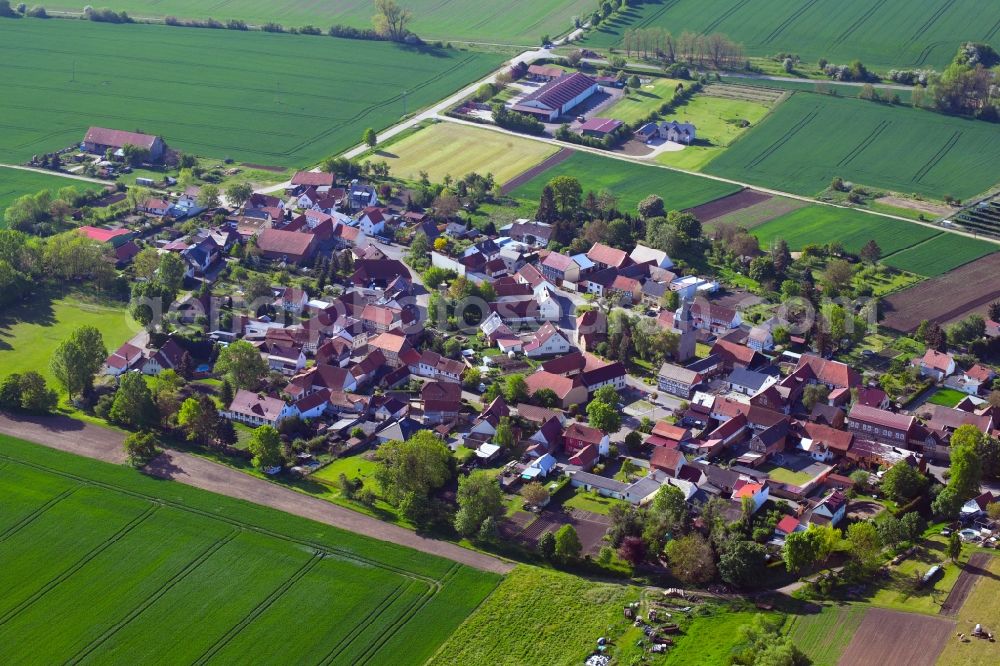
x,y
41,213
714,50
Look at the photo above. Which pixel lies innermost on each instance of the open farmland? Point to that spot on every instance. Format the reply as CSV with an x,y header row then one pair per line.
x,y
981,607
537,616
824,635
258,97
892,637
755,214
630,182
881,33
15,183
810,139
457,150
940,254
967,289
510,22
819,225
148,571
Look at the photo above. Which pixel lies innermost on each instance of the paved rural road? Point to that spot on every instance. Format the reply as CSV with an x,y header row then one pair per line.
x,y
65,434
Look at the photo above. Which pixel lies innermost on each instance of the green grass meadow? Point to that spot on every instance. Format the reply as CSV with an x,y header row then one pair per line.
x,y
630,182
139,570
15,183
810,139
256,97
885,33
512,22
29,333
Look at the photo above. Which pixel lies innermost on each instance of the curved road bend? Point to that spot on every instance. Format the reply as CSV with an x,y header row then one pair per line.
x,y
93,441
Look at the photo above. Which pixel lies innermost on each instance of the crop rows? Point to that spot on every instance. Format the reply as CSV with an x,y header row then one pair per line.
x,y
142,578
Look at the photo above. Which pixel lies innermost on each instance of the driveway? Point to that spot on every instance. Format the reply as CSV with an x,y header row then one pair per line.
x,y
84,439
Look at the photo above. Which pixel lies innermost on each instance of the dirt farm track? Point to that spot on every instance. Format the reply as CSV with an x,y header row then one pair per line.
x,y
892,638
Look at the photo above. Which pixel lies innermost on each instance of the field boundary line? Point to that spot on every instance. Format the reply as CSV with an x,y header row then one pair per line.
x,y
138,610
347,555
362,624
31,517
79,564
785,138
912,247
992,31
552,160
725,15
261,608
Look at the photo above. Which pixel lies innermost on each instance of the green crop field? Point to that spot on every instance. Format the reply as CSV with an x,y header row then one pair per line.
x,y
538,617
15,183
512,22
630,182
940,254
809,85
810,139
256,97
29,333
824,636
820,225
457,150
882,33
138,570
717,122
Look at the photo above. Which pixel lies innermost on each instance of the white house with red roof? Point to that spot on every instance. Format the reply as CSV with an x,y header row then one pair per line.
x,y
758,492
257,410
605,256
125,358
830,510
372,221
99,140
155,206
936,365
547,341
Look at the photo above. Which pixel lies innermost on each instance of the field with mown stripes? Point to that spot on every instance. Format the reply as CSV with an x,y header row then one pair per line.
x,y
144,571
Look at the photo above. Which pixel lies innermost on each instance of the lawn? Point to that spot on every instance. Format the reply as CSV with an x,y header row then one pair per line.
x,y
785,475
644,100
29,333
709,640
255,97
630,182
810,139
512,22
449,149
588,501
889,33
149,571
899,593
940,254
983,607
355,467
819,225
537,616
717,121
947,397
824,636
15,183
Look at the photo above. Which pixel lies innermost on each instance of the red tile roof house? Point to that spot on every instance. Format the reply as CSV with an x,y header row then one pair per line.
x,y
605,256
832,373
578,436
629,288
125,358
442,401
155,207
936,365
599,127
547,341
289,246
787,525
257,410
391,345
667,460
569,390
292,300
758,492
303,180
830,510
558,97
99,139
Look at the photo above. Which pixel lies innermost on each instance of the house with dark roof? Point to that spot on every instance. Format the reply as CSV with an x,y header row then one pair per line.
x,y
535,234
677,380
558,97
256,410
880,425
579,436
599,127
442,401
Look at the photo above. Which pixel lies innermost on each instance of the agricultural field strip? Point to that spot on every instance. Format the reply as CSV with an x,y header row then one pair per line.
x,y
235,523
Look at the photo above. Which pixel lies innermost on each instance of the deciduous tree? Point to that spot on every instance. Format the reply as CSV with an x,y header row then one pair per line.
x,y
568,545
133,404
265,447
479,498
691,559
418,465
242,363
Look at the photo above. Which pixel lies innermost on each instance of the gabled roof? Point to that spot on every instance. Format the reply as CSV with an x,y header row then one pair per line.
x,y
102,235
880,417
602,125
604,254
289,243
936,360
251,404
313,179
831,372
584,433
118,138
560,91
558,384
